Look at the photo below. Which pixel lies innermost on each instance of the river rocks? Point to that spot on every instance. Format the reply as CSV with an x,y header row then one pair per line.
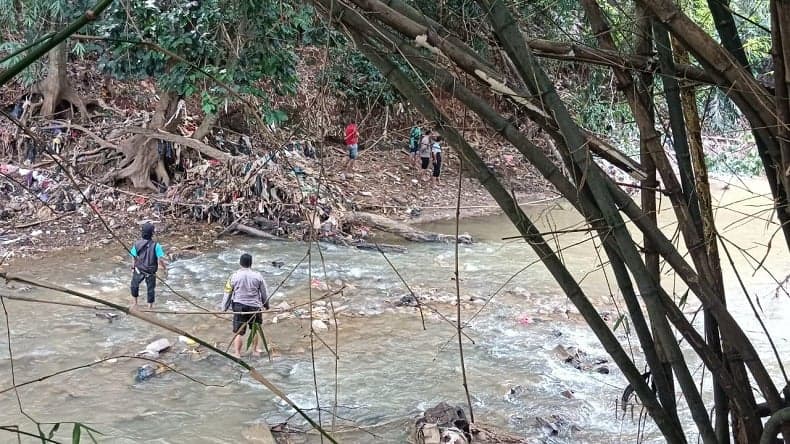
x,y
443,424
109,316
258,433
556,425
407,301
282,306
514,393
567,393
283,368
580,360
184,255
319,325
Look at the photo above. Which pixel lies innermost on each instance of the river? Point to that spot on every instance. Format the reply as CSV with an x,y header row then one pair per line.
x,y
389,368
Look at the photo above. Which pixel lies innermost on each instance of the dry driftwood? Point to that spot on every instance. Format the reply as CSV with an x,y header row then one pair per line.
x,y
241,228
186,141
386,248
403,230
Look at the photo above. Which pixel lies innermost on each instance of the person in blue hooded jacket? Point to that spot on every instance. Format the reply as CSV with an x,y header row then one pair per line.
x,y
147,257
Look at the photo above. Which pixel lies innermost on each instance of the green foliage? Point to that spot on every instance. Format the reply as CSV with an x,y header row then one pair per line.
x,y
243,43
29,75
719,113
353,77
736,161
31,20
257,330
76,433
753,19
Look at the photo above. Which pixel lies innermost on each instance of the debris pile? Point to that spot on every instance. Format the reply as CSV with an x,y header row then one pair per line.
x,y
581,360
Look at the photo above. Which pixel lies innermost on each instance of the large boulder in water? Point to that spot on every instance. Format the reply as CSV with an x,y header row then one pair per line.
x,y
443,424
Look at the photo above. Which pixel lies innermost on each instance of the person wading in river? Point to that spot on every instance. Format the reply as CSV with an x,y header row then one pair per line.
x,y
247,295
147,257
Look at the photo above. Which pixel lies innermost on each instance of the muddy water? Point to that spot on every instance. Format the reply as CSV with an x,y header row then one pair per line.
x,y
389,367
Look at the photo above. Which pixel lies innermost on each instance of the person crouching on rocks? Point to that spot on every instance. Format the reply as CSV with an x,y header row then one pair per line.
x,y
247,295
147,256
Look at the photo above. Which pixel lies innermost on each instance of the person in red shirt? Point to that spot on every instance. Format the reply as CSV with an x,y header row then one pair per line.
x,y
352,143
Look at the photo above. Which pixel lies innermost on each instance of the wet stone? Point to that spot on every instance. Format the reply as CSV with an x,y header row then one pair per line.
x,y
443,424
407,301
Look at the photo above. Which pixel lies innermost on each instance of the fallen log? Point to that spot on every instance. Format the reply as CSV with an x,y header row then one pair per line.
x,y
401,229
386,248
254,232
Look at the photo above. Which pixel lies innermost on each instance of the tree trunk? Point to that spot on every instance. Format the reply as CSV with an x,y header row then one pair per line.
x,y
780,32
596,206
727,63
580,200
750,432
56,86
140,151
205,126
647,140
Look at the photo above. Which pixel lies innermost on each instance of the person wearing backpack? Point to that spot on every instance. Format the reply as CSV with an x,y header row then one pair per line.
x,y
425,152
414,145
147,257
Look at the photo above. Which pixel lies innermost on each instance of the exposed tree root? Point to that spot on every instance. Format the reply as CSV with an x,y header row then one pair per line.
x,y
175,138
140,153
56,88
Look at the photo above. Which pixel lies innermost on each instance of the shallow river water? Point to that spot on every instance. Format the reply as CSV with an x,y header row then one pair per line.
x,y
389,367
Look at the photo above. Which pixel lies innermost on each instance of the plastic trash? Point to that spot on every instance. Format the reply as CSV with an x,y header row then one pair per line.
x,y
319,325
156,347
108,316
144,372
524,320
187,341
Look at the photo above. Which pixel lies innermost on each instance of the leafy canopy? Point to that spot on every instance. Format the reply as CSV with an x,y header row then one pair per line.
x,y
249,45
26,22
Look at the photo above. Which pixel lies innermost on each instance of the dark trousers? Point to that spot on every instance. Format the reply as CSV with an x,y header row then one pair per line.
x,y
241,318
150,285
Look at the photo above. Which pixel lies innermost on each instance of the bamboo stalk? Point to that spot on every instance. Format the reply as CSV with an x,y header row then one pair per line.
x,y
522,223
54,41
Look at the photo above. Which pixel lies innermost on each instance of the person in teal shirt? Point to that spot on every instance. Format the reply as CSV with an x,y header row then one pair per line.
x,y
147,257
414,145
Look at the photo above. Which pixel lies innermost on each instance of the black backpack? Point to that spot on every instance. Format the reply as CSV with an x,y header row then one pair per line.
x,y
146,260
